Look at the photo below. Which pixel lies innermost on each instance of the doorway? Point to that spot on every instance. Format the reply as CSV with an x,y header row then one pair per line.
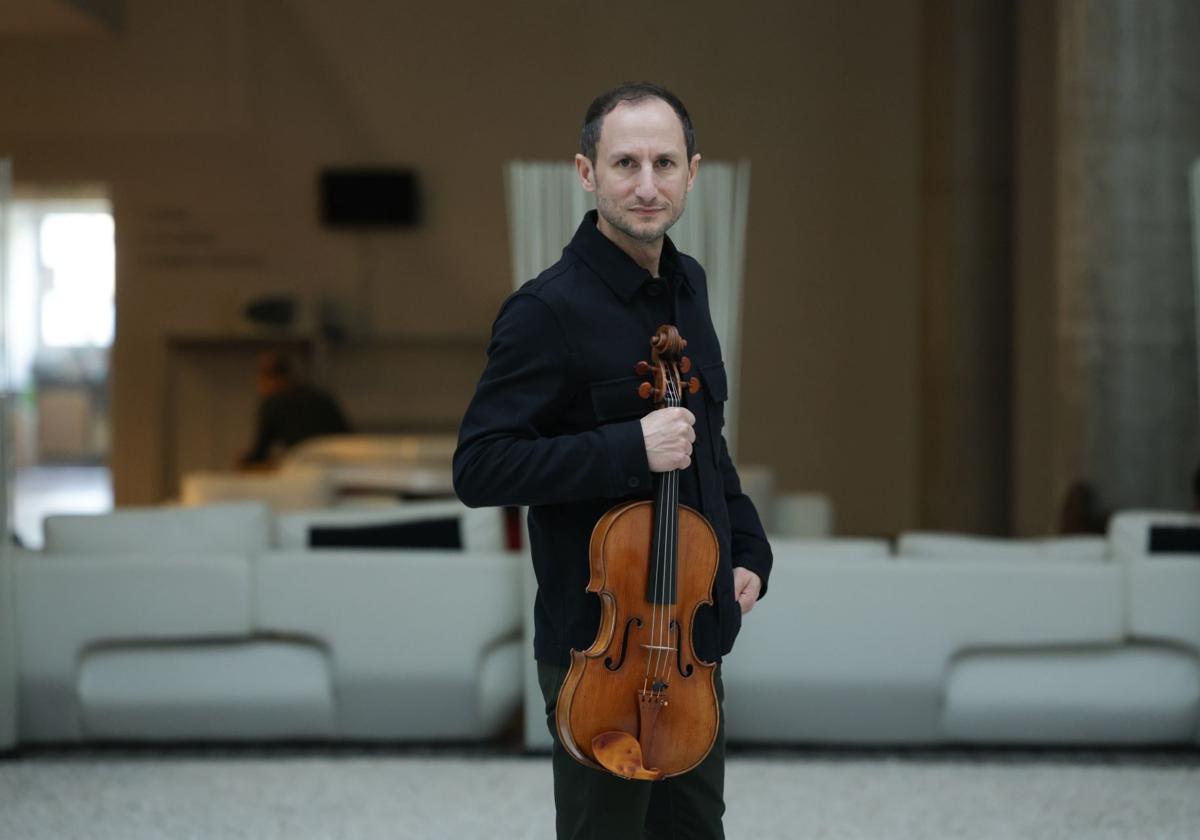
x,y
59,325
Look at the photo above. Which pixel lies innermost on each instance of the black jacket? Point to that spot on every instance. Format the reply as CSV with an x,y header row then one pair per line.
x,y
554,424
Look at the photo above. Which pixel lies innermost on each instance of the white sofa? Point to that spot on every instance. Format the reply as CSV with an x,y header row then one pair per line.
x,y
222,623
954,639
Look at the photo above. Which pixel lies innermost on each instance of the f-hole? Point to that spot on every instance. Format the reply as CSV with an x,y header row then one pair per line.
x,y
608,663
683,672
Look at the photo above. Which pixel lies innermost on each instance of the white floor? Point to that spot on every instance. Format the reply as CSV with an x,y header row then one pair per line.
x,y
793,797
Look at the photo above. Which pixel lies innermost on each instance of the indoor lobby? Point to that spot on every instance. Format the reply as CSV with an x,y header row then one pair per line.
x,y
336,419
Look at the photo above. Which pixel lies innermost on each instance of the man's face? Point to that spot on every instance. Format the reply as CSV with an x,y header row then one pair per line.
x,y
641,175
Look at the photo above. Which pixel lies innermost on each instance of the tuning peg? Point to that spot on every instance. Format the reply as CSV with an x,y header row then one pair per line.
x,y
641,368
685,364
693,385
645,390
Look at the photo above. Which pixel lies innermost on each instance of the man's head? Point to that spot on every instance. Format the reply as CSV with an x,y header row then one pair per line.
x,y
274,373
638,154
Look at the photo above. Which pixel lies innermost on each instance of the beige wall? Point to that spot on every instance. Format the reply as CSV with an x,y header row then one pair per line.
x,y
210,119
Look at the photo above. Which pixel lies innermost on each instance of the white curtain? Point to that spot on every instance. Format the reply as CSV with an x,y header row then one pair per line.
x,y
546,203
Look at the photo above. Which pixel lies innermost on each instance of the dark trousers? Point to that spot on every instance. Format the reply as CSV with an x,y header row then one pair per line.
x,y
595,805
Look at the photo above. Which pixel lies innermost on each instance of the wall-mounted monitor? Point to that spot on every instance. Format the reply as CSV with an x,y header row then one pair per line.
x,y
368,197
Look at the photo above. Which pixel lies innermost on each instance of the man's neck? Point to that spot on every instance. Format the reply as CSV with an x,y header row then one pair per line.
x,y
645,254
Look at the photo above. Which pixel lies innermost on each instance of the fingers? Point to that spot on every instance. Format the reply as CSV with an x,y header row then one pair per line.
x,y
669,436
747,585
746,602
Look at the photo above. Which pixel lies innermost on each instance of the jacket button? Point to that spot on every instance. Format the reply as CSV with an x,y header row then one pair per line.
x,y
634,481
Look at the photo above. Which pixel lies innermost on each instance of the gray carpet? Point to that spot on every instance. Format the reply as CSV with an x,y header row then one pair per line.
x,y
801,796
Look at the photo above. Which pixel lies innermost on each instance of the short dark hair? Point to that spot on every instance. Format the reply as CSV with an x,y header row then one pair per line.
x,y
606,102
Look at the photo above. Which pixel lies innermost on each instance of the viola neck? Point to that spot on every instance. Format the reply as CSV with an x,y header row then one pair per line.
x,y
664,542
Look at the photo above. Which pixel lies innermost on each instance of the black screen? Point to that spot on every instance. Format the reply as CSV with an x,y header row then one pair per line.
x,y
368,197
1174,539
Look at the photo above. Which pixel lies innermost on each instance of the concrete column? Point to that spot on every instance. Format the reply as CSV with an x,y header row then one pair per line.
x,y
966,278
1128,127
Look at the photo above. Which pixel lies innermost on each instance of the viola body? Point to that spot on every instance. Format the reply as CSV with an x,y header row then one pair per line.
x,y
641,675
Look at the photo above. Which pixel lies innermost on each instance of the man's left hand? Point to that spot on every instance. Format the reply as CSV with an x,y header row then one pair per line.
x,y
746,585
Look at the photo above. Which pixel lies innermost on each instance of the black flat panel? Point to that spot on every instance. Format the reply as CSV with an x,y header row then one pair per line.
x,y
1174,539
430,533
368,197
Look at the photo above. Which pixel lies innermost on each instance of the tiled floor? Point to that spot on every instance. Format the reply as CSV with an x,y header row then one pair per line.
x,y
44,490
796,796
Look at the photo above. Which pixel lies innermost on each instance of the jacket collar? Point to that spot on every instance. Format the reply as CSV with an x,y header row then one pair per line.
x,y
616,268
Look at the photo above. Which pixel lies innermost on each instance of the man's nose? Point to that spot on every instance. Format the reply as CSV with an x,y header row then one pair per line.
x,y
646,188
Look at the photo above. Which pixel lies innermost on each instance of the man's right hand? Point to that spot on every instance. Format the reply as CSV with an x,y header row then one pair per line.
x,y
669,437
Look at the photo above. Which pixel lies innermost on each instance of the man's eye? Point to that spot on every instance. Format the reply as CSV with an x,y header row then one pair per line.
x,y
625,163
665,163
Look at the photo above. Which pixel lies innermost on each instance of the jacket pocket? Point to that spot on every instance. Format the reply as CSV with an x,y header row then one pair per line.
x,y
729,614
715,387
618,399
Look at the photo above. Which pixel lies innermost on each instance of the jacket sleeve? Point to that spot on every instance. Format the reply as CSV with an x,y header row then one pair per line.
x,y
750,546
505,455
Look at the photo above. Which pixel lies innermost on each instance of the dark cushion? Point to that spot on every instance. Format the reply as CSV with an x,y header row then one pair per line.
x,y
428,533
1174,539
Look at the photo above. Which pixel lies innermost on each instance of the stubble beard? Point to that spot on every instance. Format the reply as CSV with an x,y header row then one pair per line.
x,y
626,225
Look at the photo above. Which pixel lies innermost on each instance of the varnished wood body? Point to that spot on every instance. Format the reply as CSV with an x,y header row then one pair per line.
x,y
594,699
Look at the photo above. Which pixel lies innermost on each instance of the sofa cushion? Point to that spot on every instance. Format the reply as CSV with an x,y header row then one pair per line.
x,y
70,603
238,527
440,524
406,633
1135,535
424,533
223,690
1175,539
1161,584
834,548
1136,694
1072,549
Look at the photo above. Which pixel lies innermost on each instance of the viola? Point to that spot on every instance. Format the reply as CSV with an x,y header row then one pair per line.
x,y
638,702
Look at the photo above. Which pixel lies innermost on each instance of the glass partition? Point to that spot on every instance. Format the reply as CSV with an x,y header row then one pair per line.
x,y
1196,252
8,630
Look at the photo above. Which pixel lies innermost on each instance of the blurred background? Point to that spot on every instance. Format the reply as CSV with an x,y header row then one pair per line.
x,y
960,305
967,259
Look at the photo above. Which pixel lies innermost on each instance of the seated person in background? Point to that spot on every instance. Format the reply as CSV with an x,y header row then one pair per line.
x,y
1081,512
289,411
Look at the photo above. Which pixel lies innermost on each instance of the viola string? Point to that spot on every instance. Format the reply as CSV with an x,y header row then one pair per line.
x,y
662,631
655,607
671,552
675,570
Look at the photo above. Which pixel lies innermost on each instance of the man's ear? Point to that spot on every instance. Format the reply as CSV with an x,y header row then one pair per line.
x,y
693,168
586,172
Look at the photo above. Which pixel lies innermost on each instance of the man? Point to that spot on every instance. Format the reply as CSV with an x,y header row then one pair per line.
x,y
289,411
556,423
